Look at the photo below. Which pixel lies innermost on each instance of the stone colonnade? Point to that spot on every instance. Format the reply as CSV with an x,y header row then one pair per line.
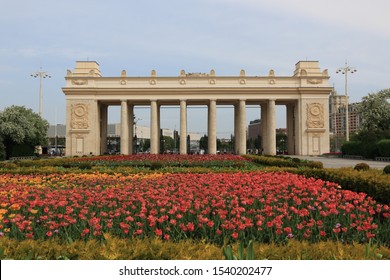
x,y
268,117
305,95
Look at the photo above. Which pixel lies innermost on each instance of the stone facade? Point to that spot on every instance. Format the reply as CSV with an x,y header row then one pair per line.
x,y
305,94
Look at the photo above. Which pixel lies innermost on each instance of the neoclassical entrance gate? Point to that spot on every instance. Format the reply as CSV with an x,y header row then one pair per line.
x,y
305,95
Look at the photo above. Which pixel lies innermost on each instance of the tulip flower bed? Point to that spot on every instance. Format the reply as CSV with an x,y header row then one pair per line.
x,y
213,207
167,159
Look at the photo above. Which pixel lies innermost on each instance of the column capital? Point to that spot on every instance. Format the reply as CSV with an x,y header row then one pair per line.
x,y
213,99
153,100
183,99
124,100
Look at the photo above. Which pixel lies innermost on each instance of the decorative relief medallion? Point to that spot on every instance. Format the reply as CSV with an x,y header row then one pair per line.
x,y
315,115
271,81
79,116
123,82
212,81
79,82
242,81
182,82
153,82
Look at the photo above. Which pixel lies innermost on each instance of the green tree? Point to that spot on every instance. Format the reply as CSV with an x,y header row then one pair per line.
x,y
204,143
145,145
375,112
281,143
22,127
169,144
2,149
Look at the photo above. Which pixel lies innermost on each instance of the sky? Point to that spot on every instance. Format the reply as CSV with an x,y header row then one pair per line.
x,y
170,35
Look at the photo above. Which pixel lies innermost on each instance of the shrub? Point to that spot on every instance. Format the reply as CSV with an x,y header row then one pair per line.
x,y
282,161
297,160
84,165
153,249
316,164
8,165
362,166
2,149
383,148
156,165
386,170
353,148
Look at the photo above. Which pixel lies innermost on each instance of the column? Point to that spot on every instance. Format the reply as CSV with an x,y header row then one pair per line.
x,y
290,129
298,127
103,128
131,128
153,127
264,124
183,127
94,147
242,128
159,135
271,128
212,127
236,130
124,128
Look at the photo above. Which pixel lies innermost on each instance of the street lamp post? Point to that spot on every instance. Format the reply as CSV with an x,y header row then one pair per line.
x,y
345,70
41,74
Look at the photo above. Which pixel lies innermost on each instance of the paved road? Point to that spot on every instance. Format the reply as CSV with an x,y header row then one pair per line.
x,y
343,162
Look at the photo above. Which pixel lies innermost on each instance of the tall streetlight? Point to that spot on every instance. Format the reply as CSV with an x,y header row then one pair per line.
x,y
345,70
41,74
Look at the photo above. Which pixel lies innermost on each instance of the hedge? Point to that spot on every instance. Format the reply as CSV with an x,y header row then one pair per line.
x,y
367,149
155,249
282,161
384,148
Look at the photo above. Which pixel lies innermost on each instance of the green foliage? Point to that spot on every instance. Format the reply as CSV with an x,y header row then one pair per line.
x,y
384,148
282,161
2,149
361,166
19,125
156,165
203,143
367,148
386,170
20,150
297,160
375,112
8,165
84,165
315,164
168,142
154,249
353,148
250,254
371,251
